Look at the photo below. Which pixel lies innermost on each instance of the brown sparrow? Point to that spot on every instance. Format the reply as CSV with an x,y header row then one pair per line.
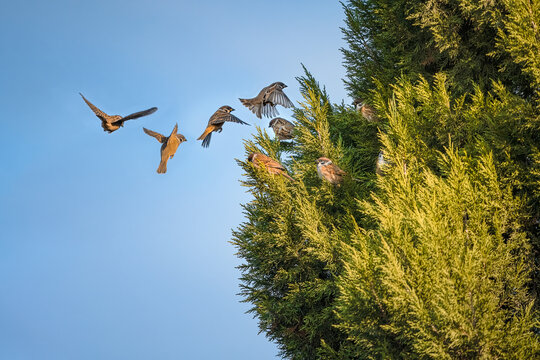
x,y
269,97
272,166
282,128
365,110
216,122
329,171
112,123
169,146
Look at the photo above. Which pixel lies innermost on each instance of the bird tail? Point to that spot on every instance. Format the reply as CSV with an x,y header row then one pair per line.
x,y
206,137
206,140
162,169
255,108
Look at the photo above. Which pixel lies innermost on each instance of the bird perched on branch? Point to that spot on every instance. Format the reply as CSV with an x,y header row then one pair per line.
x,y
272,166
169,146
329,171
282,128
216,122
269,97
365,110
112,123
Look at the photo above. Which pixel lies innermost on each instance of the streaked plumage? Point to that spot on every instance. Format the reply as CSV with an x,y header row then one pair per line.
x,y
216,122
365,110
112,123
282,128
272,166
269,97
329,171
169,146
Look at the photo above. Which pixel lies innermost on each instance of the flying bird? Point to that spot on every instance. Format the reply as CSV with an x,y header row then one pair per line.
x,y
265,103
216,122
112,123
282,128
169,146
272,166
329,171
365,110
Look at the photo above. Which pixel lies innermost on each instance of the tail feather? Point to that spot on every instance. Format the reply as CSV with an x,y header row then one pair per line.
x,y
162,169
255,108
206,140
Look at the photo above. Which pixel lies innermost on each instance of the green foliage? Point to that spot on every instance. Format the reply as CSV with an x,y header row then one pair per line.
x,y
390,38
437,257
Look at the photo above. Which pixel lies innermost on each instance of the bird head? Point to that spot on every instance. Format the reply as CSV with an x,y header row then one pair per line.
x,y
251,156
274,121
280,85
323,161
226,108
358,103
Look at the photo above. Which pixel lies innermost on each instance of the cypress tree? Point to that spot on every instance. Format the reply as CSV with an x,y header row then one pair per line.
x,y
437,256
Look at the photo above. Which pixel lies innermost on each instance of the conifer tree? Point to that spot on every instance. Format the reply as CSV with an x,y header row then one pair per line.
x,y
436,257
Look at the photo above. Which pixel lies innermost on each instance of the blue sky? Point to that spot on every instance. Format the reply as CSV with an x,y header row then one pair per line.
x,y
100,257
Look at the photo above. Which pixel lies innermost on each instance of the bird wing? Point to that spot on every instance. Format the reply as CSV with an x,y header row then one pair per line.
x,y
136,115
100,114
268,162
157,135
220,117
278,97
269,110
174,130
337,170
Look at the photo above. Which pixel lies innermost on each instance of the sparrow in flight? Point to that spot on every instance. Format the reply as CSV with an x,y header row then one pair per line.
x,y
282,128
112,123
329,171
272,166
216,122
168,147
365,110
265,103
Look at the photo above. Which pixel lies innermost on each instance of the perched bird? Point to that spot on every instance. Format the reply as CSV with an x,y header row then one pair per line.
x,y
216,122
112,123
272,166
170,144
282,128
380,164
329,171
365,110
265,103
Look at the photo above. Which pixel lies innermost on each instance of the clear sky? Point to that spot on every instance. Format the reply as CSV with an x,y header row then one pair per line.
x,y
101,257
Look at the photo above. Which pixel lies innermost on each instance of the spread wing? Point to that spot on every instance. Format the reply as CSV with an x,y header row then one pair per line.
x,y
278,97
157,135
137,115
269,110
220,117
100,114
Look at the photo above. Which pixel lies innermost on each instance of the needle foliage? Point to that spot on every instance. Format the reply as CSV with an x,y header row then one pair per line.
x,y
437,256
